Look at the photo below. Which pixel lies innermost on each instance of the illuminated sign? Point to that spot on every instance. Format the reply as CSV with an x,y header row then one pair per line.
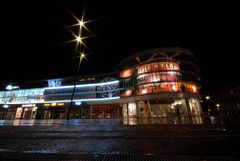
x,y
29,105
127,73
6,106
54,83
81,100
53,104
85,85
78,103
127,93
156,67
22,96
11,87
87,79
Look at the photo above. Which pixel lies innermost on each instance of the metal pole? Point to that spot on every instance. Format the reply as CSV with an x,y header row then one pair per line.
x,y
74,89
81,56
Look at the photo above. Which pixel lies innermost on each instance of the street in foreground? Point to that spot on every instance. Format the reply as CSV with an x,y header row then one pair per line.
x,y
102,138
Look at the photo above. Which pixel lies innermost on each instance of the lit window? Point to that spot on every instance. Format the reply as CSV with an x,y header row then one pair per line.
x,y
194,89
174,88
144,91
54,104
126,73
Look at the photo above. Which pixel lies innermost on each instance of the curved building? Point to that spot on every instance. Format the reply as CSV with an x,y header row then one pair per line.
x,y
160,84
163,82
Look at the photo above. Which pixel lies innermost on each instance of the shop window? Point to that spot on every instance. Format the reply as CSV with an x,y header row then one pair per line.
x,y
132,110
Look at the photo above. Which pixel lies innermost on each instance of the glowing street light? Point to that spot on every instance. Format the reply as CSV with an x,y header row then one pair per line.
x,y
207,97
79,40
82,55
81,23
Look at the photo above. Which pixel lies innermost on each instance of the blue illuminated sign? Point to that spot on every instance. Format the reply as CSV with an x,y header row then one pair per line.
x,y
54,83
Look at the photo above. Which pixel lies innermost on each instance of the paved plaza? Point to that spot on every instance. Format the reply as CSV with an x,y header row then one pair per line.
x,y
112,137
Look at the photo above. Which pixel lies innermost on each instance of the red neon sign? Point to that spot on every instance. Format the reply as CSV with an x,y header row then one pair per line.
x,y
156,67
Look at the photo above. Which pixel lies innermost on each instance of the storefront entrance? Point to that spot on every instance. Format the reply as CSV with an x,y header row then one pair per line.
x,y
97,112
82,113
106,112
53,113
26,112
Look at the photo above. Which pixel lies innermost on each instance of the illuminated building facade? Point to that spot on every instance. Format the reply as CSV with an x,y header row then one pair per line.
x,y
160,83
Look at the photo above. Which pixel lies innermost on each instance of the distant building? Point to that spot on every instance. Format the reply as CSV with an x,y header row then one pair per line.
x,y
159,83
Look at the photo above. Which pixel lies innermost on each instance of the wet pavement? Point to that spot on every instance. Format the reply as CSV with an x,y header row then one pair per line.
x,y
56,122
109,157
124,121
112,137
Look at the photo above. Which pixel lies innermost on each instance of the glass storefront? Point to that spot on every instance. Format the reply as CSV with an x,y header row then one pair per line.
x,y
167,87
112,111
158,77
55,112
163,112
26,112
194,107
162,108
106,111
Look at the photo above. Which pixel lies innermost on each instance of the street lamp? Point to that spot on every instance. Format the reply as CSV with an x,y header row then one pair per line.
x,y
79,39
207,97
81,56
81,23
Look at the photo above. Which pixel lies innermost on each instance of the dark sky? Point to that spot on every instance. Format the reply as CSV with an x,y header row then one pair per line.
x,y
33,34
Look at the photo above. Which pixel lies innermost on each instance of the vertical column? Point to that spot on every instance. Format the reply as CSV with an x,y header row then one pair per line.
x,y
23,111
127,111
138,111
127,115
188,110
149,108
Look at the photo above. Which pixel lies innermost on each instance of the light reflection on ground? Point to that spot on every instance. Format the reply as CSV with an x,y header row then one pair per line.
x,y
124,121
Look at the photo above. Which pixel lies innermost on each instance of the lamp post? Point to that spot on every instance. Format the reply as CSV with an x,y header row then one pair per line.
x,y
81,56
78,38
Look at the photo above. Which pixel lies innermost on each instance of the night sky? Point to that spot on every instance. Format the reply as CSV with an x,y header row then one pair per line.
x,y
33,36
